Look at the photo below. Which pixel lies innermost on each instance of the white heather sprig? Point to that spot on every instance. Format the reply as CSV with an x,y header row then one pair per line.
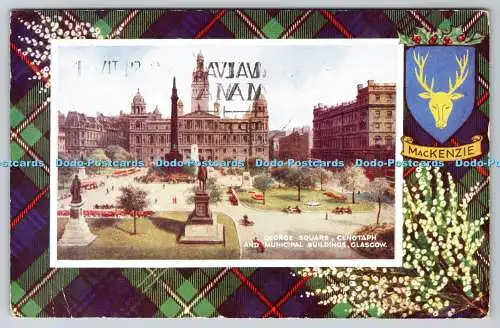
x,y
438,256
47,28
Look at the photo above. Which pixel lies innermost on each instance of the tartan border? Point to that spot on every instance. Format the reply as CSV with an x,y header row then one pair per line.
x,y
38,290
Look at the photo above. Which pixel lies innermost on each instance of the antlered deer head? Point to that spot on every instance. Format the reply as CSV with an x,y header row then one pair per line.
x,y
441,102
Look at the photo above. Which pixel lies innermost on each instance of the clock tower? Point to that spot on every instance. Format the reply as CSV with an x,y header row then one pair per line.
x,y
199,86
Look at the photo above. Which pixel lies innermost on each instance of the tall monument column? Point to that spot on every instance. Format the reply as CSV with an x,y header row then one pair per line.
x,y
174,135
174,128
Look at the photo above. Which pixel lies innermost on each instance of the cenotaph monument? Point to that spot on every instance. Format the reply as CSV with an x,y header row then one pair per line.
x,y
76,232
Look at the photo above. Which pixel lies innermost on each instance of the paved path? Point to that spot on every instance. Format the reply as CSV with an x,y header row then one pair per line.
x,y
268,225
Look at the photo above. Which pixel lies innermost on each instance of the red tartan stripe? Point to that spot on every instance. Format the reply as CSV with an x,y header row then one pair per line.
x,y
338,25
70,16
408,172
424,22
124,23
482,99
207,27
474,19
288,294
250,23
28,207
292,28
256,291
26,60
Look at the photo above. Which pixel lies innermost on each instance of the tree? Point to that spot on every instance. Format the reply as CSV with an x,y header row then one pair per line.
x,y
299,178
132,199
376,191
353,178
263,183
323,176
117,153
97,155
279,173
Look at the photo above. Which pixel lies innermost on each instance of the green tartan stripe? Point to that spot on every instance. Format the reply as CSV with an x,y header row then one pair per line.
x,y
225,288
237,26
141,23
16,117
31,100
483,66
42,121
313,24
85,15
287,17
54,286
260,17
471,178
37,175
476,210
404,23
433,16
484,196
34,272
148,284
115,17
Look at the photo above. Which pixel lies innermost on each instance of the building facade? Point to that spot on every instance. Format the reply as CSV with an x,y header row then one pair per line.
x,y
146,134
83,133
295,145
362,128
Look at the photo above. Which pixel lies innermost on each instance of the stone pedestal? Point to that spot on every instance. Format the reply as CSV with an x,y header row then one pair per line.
x,y
76,232
202,226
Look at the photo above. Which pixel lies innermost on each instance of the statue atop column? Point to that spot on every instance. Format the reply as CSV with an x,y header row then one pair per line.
x,y
75,190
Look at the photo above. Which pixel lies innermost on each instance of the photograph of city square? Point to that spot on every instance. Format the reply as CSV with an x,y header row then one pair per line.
x,y
221,152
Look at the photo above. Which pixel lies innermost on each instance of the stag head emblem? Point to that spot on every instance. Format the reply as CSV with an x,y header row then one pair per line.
x,y
441,102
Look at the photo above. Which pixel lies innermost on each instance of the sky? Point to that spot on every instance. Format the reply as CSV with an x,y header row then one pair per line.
x,y
296,78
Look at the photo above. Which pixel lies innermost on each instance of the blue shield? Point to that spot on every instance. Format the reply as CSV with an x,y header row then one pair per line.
x,y
435,79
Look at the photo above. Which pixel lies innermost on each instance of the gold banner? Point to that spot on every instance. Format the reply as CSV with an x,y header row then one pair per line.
x,y
441,153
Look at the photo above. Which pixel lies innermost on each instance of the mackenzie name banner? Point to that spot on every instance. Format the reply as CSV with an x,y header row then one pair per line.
x,y
466,151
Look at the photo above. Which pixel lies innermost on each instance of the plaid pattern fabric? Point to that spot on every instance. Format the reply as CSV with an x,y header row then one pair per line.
x,y
37,290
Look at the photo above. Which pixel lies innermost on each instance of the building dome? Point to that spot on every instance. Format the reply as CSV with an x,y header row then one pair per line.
x,y
180,103
156,111
138,99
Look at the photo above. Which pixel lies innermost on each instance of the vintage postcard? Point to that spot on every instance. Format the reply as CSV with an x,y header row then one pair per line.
x,y
312,163
183,150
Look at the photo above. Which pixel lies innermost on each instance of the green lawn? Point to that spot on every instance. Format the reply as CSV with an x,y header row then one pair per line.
x,y
156,239
279,198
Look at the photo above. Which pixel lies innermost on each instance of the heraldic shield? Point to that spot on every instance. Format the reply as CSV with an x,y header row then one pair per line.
x,y
440,88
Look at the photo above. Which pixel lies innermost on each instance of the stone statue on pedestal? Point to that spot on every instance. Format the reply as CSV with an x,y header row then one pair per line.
x,y
76,231
202,226
202,178
75,190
